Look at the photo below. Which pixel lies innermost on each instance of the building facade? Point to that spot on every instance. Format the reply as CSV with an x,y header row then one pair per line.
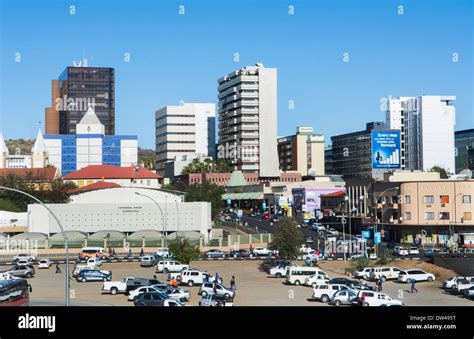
x,y
351,153
426,125
90,146
248,120
76,89
38,158
184,132
464,142
302,152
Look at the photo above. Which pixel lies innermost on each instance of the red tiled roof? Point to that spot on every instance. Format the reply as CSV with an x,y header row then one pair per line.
x,y
334,194
111,172
95,186
48,173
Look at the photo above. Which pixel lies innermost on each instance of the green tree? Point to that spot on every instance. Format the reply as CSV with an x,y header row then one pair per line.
x,y
183,251
207,191
206,166
442,172
386,257
287,239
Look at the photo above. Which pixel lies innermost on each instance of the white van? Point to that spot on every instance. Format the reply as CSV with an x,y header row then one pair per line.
x,y
296,275
319,278
94,252
370,273
192,277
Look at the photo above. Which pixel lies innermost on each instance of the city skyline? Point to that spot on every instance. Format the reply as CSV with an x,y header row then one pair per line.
x,y
174,57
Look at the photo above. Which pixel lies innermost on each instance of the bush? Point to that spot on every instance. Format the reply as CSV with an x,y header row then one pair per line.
x,y
183,251
358,264
386,257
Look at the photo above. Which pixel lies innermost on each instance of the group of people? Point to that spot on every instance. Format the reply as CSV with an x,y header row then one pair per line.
x,y
216,279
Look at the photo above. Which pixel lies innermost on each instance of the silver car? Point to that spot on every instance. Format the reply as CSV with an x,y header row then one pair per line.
x,y
21,271
216,288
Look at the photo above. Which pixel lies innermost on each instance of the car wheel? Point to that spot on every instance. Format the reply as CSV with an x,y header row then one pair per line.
x,y
203,294
113,291
28,275
454,287
190,283
83,279
365,304
223,256
337,303
209,256
325,298
165,270
430,279
313,285
384,278
278,275
226,296
297,282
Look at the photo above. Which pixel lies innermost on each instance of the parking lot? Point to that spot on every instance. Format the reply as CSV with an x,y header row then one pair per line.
x,y
254,287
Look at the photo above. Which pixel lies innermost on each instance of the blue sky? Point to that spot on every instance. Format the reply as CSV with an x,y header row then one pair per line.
x,y
180,57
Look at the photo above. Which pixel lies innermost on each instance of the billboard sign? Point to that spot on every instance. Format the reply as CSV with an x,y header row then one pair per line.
x,y
385,149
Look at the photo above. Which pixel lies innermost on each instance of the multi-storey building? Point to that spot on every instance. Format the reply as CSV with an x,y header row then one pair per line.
x,y
184,132
76,89
302,152
426,125
464,141
352,152
248,120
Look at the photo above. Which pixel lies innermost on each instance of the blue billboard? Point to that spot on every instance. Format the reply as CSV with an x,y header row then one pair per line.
x,y
385,149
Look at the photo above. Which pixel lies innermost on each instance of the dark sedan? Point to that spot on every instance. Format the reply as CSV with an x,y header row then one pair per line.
x,y
215,254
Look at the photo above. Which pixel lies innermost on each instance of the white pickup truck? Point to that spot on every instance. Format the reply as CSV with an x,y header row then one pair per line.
x,y
114,287
279,271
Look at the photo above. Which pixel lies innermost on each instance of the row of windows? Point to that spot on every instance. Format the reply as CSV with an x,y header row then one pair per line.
x,y
174,133
442,216
175,124
175,116
443,199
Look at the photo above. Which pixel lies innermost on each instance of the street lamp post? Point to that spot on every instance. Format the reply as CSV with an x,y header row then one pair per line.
x,y
66,245
381,217
161,211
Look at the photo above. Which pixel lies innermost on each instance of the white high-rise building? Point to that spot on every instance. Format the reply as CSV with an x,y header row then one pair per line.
x,y
186,131
427,125
248,120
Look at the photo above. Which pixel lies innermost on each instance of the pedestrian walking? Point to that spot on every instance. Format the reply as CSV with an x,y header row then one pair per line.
x,y
142,253
380,284
79,258
413,282
129,252
216,278
233,286
58,269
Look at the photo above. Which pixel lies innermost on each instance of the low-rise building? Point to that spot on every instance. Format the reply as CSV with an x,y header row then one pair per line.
x,y
133,176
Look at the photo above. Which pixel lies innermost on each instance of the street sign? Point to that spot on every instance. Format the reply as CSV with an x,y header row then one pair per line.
x,y
343,221
377,238
366,234
229,201
264,205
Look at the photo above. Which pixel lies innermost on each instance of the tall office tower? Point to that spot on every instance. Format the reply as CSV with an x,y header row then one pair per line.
x,y
464,141
76,90
302,152
426,126
184,132
248,120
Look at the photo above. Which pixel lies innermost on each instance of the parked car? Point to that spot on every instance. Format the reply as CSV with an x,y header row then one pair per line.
x,y
464,284
469,292
170,266
356,285
156,299
94,262
344,297
341,281
324,292
148,261
79,268
94,252
262,251
415,274
370,273
317,279
94,275
215,254
44,263
175,292
400,251
429,252
134,294
192,277
214,300
413,250
369,298
23,262
316,226
114,287
208,288
24,258
134,283
21,271
452,282
279,271
241,254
